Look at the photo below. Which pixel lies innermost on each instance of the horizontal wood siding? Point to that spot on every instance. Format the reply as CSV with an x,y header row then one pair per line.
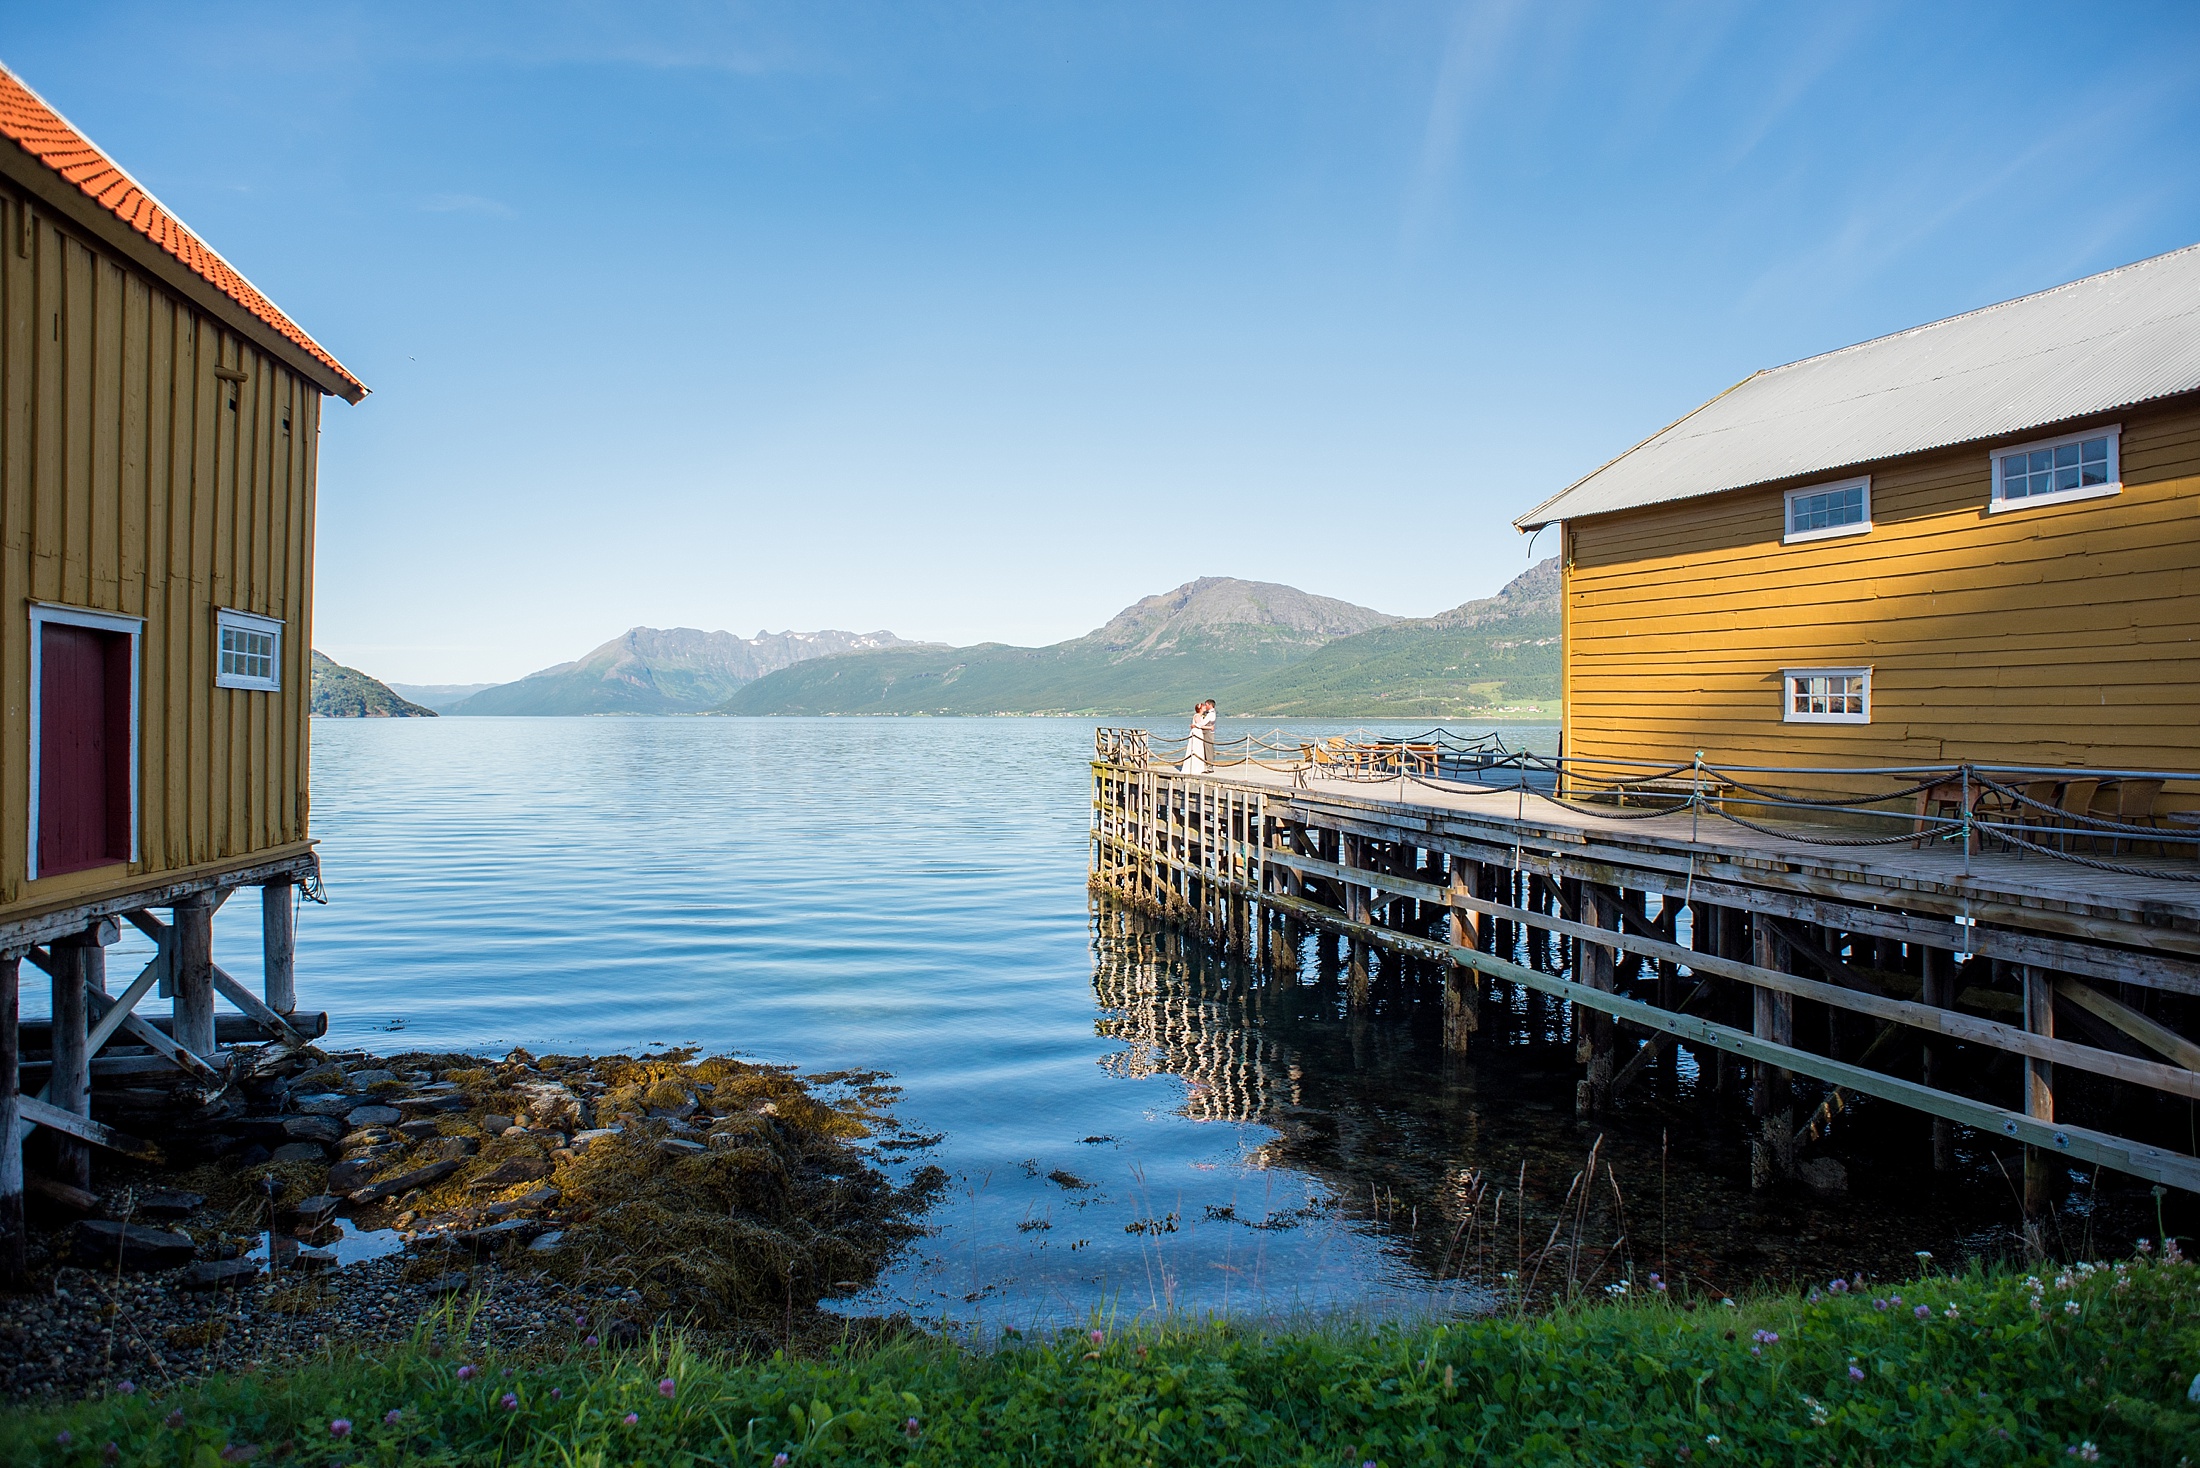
x,y
2061,634
128,484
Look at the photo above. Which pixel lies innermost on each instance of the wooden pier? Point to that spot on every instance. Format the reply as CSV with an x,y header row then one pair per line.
x,y
1965,968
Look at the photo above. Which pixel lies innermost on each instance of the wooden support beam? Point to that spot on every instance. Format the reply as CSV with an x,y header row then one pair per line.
x,y
69,1085
34,1112
192,964
1949,1022
279,1026
16,933
1772,1018
1800,941
1937,989
1462,985
1653,1047
2156,1037
1600,908
2123,952
145,1034
11,1139
2039,1100
2155,1164
279,945
121,1009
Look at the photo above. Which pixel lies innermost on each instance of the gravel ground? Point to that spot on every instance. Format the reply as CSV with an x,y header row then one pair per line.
x,y
90,1330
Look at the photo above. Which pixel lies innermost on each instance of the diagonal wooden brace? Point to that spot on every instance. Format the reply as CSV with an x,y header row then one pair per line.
x,y
34,1112
123,1006
145,1034
254,1009
246,1001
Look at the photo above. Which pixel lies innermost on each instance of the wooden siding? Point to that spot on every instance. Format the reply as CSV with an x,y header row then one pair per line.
x,y
2060,634
129,485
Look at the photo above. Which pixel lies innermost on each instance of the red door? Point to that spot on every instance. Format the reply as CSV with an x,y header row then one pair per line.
x,y
83,748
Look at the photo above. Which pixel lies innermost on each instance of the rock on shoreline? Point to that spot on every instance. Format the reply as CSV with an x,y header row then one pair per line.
x,y
567,1197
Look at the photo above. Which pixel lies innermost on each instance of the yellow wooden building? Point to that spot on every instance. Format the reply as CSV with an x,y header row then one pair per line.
x,y
1975,541
157,456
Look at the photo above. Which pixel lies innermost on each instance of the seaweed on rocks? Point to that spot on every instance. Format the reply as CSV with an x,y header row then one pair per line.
x,y
715,1195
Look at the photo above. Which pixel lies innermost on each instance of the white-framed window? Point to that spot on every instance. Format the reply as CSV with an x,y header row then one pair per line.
x,y
83,739
2078,466
250,651
1823,510
1826,695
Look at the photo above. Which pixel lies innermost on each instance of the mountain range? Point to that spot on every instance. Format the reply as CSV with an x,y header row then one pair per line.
x,y
1259,649
651,670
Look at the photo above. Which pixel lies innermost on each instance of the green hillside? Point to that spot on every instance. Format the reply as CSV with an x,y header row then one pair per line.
x,y
346,693
1257,648
1495,657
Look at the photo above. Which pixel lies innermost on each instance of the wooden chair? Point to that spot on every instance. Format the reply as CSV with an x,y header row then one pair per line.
x,y
2076,804
1942,801
2128,803
2028,815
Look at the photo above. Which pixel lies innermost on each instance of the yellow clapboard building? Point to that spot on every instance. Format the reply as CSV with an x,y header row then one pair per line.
x,y
1974,541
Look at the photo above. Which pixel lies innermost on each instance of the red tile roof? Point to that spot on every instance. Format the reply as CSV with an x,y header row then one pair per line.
x,y
47,136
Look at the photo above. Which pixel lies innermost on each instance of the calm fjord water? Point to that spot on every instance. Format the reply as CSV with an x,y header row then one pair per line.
x,y
1131,1123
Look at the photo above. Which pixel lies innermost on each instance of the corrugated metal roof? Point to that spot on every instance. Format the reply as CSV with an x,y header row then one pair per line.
x,y
2096,345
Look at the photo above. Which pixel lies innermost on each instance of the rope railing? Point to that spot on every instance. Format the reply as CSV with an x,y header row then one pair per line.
x,y
1982,806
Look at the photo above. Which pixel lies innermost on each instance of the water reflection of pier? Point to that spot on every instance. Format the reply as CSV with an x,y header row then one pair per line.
x,y
1344,1059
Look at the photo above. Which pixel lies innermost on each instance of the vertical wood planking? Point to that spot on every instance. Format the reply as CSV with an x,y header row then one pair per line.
x,y
126,485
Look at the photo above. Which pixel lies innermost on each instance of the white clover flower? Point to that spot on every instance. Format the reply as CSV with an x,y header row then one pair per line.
x,y
2070,1307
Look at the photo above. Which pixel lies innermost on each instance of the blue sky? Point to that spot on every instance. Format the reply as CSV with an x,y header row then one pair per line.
x,y
979,322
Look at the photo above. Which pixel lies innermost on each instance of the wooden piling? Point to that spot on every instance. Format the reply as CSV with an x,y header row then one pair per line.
x,y
69,1086
193,1028
2039,1102
1462,985
1772,1017
1600,908
11,1146
1937,987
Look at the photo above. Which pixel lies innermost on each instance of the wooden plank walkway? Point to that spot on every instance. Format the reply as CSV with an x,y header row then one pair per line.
x,y
1999,887
1713,929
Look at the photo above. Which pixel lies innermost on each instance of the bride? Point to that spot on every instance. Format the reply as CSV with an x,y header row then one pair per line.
x,y
1199,751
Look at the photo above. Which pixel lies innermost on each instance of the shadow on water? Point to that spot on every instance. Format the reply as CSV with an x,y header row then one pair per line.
x,y
1474,1164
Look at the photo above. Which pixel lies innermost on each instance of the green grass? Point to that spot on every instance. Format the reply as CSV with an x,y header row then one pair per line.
x,y
1993,1372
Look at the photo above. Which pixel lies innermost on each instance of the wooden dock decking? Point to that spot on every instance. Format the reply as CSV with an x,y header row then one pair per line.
x,y
1912,966
1995,887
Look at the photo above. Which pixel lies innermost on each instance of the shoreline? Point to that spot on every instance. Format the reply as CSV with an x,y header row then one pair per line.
x,y
343,1198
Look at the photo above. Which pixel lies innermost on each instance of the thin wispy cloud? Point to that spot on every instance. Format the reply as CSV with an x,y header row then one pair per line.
x,y
1482,40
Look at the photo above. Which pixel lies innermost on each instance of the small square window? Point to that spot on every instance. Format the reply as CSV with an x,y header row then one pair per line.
x,y
1825,510
1826,695
250,652
2080,467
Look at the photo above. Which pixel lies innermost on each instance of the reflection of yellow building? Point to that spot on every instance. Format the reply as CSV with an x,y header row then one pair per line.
x,y
1971,541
